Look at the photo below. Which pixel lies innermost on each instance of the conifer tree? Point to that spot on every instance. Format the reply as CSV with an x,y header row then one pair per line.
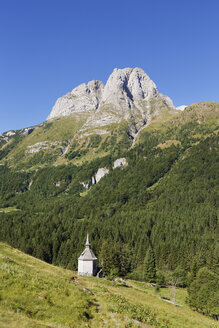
x,y
215,259
203,293
107,257
149,266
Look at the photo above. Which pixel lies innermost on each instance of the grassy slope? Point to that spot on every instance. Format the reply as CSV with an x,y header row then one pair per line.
x,y
202,113
35,294
60,131
56,134
59,134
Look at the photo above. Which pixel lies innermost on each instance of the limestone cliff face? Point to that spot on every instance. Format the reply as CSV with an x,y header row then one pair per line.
x,y
126,87
128,94
84,98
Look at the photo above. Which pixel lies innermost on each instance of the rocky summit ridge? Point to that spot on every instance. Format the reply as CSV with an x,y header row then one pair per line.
x,y
128,94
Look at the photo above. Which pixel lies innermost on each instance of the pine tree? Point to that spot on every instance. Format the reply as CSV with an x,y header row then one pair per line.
x,y
149,266
107,257
215,259
203,293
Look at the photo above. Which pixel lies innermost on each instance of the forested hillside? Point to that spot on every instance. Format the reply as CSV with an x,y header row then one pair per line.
x,y
165,199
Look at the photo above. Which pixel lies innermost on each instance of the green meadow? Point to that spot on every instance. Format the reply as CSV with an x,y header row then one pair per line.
x,y
36,294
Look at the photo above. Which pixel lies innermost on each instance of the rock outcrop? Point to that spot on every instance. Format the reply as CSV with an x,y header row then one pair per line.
x,y
167,101
100,174
96,178
84,98
120,162
126,87
128,94
28,131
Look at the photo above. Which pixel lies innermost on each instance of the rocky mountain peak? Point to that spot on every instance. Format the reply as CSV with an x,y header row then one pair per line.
x,y
126,87
83,98
128,94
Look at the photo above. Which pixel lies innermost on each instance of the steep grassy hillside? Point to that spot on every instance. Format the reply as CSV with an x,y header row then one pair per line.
x,y
35,294
68,140
46,142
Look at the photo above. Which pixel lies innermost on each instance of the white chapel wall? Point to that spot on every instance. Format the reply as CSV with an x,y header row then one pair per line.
x,y
85,268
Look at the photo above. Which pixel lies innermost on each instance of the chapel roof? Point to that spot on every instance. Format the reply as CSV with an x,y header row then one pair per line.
x,y
87,254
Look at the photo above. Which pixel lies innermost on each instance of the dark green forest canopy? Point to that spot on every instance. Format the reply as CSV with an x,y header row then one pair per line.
x,y
166,198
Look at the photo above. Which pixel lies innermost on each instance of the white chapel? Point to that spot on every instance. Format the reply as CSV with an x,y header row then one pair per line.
x,y
87,262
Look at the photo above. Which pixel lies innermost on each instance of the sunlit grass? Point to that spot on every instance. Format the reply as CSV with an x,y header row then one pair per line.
x,y
36,290
35,294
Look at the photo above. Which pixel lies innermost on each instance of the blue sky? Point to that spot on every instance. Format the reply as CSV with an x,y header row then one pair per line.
x,y
49,47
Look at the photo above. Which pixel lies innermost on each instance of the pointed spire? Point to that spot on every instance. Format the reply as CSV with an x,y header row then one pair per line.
x,y
87,241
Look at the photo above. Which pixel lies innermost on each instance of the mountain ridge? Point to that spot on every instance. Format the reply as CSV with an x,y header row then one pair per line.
x,y
128,94
68,139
